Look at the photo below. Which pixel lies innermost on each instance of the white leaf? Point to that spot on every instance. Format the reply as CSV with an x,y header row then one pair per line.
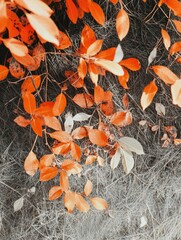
x,y
127,160
115,159
160,109
69,123
152,56
131,144
118,54
79,117
32,190
143,221
18,204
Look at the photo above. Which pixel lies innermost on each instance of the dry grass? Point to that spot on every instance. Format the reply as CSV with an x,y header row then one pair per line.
x,y
152,190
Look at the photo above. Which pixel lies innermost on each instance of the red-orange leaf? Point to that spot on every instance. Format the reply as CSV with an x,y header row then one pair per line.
x,y
61,136
59,105
107,54
31,83
148,94
45,109
64,181
97,13
98,137
45,27
95,47
177,25
37,124
84,5
124,79
82,68
55,192
48,173
16,47
122,118
27,34
38,7
3,16
166,38
69,201
52,122
122,24
3,72
99,203
114,1
81,203
132,64
75,151
165,74
174,5
64,41
99,94
72,11
88,36
176,47
21,121
29,102
31,164
83,100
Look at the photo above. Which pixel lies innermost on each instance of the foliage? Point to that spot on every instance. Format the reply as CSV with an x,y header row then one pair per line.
x,y
25,28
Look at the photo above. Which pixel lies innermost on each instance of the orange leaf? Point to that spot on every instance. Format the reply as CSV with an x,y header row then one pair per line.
x,y
74,79
61,136
36,124
3,72
87,36
176,47
107,107
45,109
27,34
21,121
79,133
61,148
125,101
94,48
38,7
46,161
69,201
84,5
48,173
55,192
97,13
99,203
174,5
177,25
122,24
165,74
83,100
59,105
14,24
81,203
64,41
166,38
99,94
88,188
110,66
124,79
64,181
3,16
72,11
114,1
71,166
16,47
31,83
16,69
82,68
90,159
52,122
176,92
27,61
29,102
177,141
132,64
98,137
122,118
31,164
107,54
148,94
75,151
45,27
